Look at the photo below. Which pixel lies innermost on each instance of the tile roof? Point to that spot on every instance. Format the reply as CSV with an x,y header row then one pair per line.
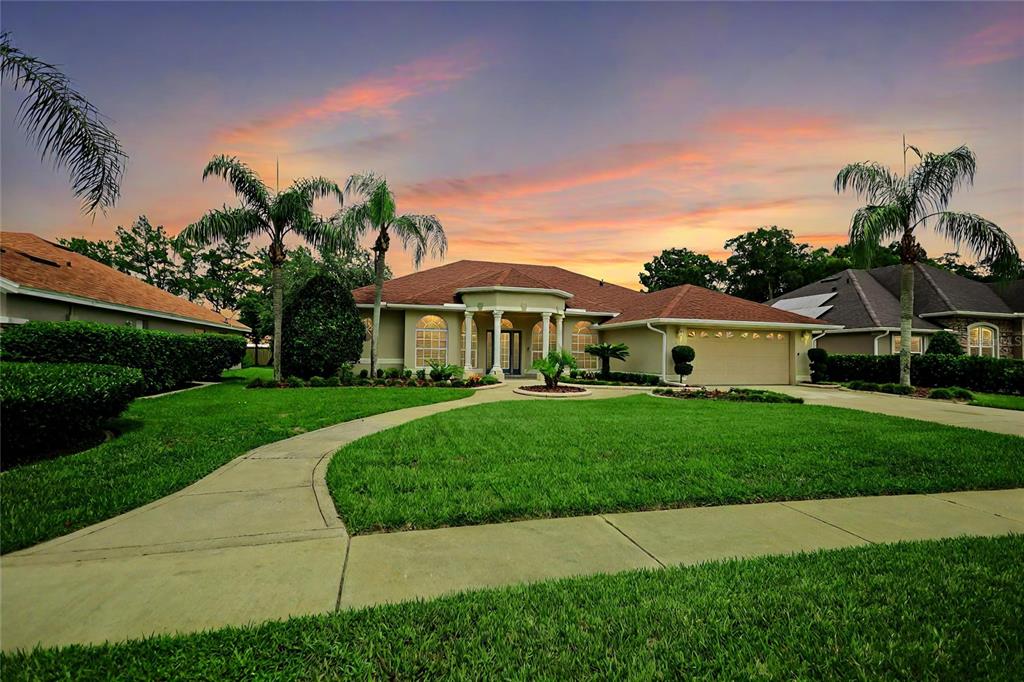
x,y
30,261
438,286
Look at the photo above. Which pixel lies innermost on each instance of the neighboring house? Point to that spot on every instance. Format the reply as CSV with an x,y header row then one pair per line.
x,y
40,280
470,312
987,319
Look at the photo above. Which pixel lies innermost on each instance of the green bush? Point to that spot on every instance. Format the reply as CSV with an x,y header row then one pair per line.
x,y
440,371
317,382
818,358
489,380
330,381
961,393
552,366
943,343
322,330
167,361
682,357
48,406
897,389
990,375
256,382
862,385
295,382
751,395
940,394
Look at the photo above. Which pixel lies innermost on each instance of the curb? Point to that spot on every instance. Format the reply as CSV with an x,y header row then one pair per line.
x,y
534,394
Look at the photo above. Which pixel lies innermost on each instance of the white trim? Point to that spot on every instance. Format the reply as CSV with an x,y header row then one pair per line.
x,y
664,350
970,313
8,286
388,361
736,324
4,319
583,311
414,306
861,330
517,290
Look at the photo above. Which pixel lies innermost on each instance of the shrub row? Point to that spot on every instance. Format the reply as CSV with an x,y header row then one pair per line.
x,y
399,381
745,395
896,389
992,375
614,378
49,406
167,360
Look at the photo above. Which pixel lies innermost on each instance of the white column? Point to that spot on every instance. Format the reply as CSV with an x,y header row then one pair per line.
x,y
467,342
545,335
496,370
558,330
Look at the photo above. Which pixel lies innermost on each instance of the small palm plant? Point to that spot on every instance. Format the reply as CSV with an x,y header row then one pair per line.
x,y
607,352
423,234
554,365
898,206
273,215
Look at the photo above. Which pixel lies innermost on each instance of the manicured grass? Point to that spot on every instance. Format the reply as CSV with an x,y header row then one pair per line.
x,y
169,442
931,610
1003,402
527,459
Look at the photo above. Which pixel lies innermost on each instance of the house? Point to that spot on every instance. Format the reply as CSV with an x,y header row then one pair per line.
x,y
40,280
987,319
500,317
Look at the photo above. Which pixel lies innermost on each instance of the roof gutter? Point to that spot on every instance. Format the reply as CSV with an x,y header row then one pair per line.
x,y
517,290
8,286
736,324
875,340
664,348
969,313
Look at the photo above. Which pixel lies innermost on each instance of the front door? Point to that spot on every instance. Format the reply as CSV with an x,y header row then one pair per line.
x,y
511,345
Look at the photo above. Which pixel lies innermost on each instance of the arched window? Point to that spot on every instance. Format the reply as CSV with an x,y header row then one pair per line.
x,y
537,340
982,339
473,342
506,323
431,340
583,336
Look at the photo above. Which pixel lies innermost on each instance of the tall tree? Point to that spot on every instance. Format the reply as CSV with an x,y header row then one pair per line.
x,y
273,215
683,266
65,127
376,213
101,251
898,206
765,263
146,251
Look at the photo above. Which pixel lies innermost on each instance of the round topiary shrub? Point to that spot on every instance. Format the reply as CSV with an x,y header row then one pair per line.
x,y
940,394
944,343
682,357
818,358
322,330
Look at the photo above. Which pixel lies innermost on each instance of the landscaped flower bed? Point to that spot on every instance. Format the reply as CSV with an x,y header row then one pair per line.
x,y
614,379
394,378
541,388
749,395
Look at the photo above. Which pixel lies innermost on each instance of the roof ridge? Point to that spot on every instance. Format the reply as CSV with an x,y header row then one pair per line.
x,y
863,298
935,286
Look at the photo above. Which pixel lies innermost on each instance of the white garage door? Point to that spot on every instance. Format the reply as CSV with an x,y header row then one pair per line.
x,y
739,356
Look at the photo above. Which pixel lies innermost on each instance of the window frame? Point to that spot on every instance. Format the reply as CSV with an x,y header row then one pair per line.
x,y
474,342
436,335
894,344
584,361
977,348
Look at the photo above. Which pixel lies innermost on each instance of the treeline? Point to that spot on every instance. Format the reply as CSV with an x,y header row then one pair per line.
x,y
231,275
768,262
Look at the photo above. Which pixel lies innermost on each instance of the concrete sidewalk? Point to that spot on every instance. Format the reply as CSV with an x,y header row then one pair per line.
x,y
259,539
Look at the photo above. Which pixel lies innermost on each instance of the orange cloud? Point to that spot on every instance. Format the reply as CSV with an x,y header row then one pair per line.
x,y
376,94
998,42
771,124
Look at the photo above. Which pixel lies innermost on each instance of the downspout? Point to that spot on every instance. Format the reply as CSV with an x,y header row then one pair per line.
x,y
885,333
814,339
664,348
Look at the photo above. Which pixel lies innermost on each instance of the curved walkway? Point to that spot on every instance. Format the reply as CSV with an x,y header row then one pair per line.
x,y
259,539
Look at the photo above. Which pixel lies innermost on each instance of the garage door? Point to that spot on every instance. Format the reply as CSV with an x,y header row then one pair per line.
x,y
739,356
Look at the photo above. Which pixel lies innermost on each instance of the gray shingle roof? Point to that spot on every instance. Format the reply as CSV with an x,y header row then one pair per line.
x,y
938,291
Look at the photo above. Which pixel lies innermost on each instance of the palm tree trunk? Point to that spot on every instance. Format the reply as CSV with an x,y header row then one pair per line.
x,y
278,317
906,317
378,290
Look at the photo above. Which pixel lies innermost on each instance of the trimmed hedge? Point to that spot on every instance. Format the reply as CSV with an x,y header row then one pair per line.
x,y
818,358
322,330
48,406
991,375
167,360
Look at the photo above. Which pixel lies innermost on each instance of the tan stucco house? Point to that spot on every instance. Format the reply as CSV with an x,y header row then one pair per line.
x,y
499,317
40,280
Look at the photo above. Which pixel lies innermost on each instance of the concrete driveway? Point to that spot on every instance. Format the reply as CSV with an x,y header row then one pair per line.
x,y
939,411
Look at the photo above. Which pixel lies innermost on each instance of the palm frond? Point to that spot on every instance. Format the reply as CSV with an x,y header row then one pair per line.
x,y
318,188
423,235
243,180
224,224
872,226
363,184
325,234
353,222
290,208
933,181
985,239
872,181
65,127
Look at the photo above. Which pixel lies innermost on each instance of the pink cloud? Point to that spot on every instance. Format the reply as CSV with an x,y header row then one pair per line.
x,y
771,124
375,94
998,42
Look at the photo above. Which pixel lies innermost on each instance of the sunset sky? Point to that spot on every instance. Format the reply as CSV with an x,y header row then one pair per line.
x,y
587,136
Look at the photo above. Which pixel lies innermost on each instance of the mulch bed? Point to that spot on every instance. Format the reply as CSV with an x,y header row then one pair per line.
x,y
539,388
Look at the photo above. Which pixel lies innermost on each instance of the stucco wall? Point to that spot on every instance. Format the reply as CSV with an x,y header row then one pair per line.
x,y
391,352
854,343
644,349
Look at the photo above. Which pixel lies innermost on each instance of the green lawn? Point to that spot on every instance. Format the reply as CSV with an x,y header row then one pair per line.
x,y
528,459
1002,401
947,609
172,441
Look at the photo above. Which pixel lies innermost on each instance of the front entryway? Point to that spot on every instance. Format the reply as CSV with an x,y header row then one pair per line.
x,y
511,351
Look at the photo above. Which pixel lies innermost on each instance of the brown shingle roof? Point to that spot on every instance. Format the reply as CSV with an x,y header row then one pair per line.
x,y
30,261
439,285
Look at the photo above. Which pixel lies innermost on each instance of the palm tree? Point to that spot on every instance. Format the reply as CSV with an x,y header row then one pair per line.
x,y
897,206
607,352
423,234
62,124
274,215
